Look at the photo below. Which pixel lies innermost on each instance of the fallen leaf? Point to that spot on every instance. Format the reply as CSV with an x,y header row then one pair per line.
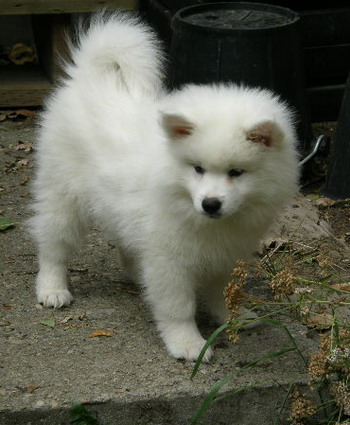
x,y
23,162
97,334
26,147
20,114
10,167
320,321
342,286
10,260
9,307
76,325
26,113
326,202
32,388
5,223
21,53
66,319
24,181
313,197
51,323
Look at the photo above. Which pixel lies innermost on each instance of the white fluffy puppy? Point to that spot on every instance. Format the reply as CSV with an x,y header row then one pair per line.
x,y
186,182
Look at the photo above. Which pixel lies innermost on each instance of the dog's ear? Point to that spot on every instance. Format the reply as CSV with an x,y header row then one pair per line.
x,y
176,126
266,133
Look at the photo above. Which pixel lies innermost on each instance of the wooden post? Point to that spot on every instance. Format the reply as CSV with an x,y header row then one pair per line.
x,y
338,177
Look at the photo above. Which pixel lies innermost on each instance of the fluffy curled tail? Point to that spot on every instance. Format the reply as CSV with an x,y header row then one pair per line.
x,y
118,48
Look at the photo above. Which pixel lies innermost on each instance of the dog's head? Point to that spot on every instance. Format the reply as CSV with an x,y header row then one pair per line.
x,y
228,163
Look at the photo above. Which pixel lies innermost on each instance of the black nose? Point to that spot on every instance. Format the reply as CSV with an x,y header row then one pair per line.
x,y
211,205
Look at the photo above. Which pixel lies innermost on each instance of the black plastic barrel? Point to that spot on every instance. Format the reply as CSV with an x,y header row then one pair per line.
x,y
338,176
250,43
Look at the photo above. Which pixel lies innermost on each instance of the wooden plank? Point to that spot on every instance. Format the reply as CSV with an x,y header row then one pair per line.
x,y
22,97
25,7
24,76
23,86
338,178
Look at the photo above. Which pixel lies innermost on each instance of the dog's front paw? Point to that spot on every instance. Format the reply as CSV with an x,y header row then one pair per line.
x,y
189,350
56,298
183,339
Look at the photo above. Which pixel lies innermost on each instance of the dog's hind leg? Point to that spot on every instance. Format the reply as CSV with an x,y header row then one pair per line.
x,y
213,295
59,230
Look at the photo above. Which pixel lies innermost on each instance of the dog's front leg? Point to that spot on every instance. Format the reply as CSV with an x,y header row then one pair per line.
x,y
171,294
51,283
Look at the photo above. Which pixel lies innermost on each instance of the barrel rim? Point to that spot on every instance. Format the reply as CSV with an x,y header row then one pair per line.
x,y
180,17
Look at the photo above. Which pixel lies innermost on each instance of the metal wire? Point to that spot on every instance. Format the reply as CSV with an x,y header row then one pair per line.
x,y
315,149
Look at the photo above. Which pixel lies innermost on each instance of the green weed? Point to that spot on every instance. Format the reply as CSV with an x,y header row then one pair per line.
x,y
80,415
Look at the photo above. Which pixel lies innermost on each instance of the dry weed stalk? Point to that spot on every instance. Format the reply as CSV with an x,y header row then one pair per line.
x,y
318,362
341,393
283,284
234,297
302,408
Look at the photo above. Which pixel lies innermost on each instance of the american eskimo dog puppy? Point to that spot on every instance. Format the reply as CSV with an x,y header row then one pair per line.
x,y
186,182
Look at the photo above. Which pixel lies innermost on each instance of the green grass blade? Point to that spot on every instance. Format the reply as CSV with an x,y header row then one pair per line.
x,y
232,393
209,342
213,393
282,325
278,420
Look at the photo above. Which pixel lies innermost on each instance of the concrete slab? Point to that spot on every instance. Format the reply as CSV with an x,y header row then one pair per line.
x,y
126,378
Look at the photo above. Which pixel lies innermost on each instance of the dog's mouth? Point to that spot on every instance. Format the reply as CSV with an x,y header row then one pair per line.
x,y
213,215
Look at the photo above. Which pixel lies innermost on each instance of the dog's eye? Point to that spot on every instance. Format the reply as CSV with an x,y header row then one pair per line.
x,y
198,169
235,172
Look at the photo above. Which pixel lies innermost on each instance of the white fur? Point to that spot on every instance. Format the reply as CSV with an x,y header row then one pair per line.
x,y
115,150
